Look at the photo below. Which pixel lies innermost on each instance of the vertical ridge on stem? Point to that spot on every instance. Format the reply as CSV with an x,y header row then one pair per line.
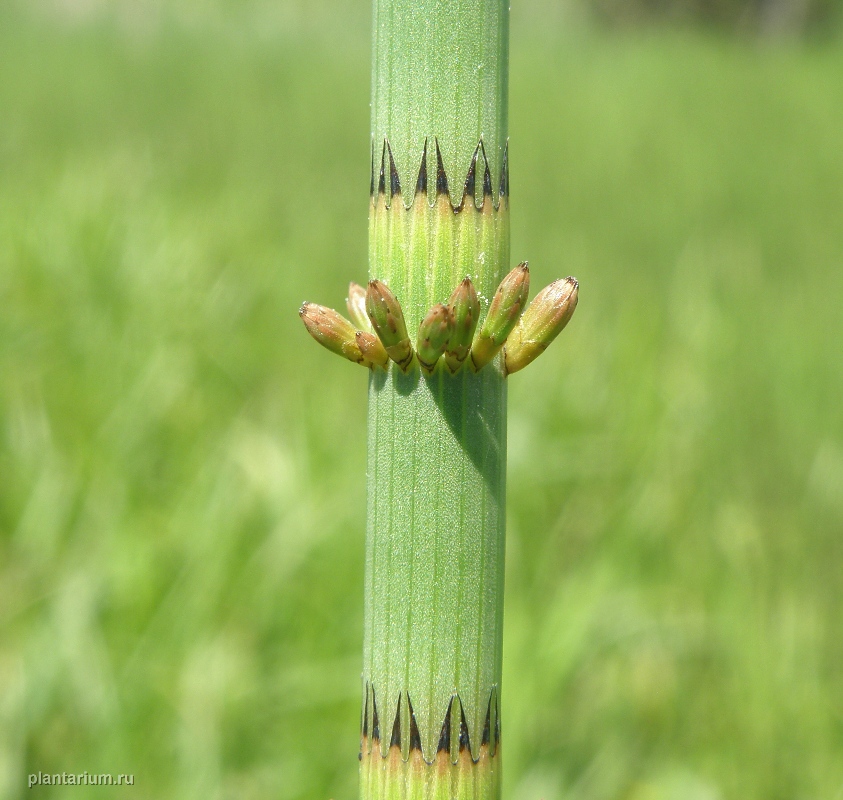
x,y
437,442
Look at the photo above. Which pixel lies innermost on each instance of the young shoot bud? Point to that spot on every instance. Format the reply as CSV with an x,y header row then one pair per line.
x,y
372,348
504,312
465,310
387,319
334,331
434,332
356,302
541,323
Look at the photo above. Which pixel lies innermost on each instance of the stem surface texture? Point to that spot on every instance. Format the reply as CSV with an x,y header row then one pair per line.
x,y
436,443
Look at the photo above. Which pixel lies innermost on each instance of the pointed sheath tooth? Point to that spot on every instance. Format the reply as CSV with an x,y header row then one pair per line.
x,y
465,309
394,183
356,302
332,330
387,319
506,307
541,323
434,332
372,348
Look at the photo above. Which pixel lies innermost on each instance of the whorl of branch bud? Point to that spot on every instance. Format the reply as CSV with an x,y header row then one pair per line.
x,y
334,331
356,302
434,332
381,335
506,307
541,323
372,348
387,319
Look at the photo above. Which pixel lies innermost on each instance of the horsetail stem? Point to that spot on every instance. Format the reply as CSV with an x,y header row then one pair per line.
x,y
439,265
437,442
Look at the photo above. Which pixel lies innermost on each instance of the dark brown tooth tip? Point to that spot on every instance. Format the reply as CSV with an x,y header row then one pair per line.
x,y
504,186
366,711
487,174
395,740
471,177
415,736
490,734
421,182
382,177
376,729
465,742
445,735
487,725
441,177
394,183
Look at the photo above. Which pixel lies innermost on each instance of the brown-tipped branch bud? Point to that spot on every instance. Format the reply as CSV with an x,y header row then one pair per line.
x,y
372,348
465,309
387,319
334,331
356,302
506,307
541,323
434,332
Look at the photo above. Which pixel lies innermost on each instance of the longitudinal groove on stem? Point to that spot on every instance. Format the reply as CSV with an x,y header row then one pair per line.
x,y
436,513
438,519
438,359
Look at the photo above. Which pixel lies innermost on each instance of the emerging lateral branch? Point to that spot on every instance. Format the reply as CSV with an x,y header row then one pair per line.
x,y
377,332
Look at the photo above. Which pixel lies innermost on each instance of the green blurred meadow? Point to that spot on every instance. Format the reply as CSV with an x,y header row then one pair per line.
x,y
182,471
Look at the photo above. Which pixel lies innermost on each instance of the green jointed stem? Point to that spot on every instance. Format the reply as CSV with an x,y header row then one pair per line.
x,y
437,443
440,325
440,69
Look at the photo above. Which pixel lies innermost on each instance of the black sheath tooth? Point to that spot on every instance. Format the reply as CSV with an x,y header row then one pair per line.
x,y
445,735
366,711
504,187
497,730
421,183
441,177
470,178
376,728
488,723
372,173
394,183
415,736
395,741
465,742
487,177
382,178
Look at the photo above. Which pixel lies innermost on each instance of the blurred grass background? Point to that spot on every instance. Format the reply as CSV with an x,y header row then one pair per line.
x,y
183,473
